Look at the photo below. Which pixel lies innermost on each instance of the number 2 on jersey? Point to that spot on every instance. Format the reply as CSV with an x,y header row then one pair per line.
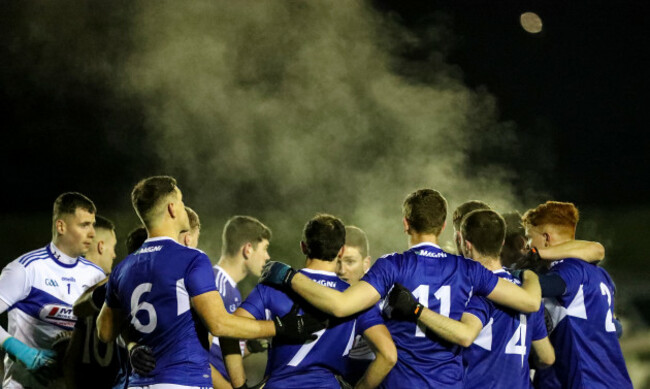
x,y
609,322
443,294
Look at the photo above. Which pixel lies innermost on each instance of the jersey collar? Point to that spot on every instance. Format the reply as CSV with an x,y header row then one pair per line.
x,y
225,274
321,272
425,244
60,257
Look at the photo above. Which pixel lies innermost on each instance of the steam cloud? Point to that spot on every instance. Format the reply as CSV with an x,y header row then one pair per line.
x,y
282,109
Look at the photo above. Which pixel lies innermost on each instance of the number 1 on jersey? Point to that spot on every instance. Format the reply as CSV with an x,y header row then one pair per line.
x,y
443,294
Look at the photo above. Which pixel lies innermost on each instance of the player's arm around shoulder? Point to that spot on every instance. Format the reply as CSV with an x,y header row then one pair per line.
x,y
545,352
219,322
382,344
232,354
462,332
526,298
582,249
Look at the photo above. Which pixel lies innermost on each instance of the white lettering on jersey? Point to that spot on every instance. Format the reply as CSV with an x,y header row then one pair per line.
x,y
329,284
430,254
151,249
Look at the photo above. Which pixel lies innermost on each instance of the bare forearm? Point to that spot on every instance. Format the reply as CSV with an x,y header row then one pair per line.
x,y
448,329
243,328
321,297
533,290
375,373
585,250
235,367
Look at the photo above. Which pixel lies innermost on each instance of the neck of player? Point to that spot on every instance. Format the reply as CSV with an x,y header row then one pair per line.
x,y
234,266
490,263
416,238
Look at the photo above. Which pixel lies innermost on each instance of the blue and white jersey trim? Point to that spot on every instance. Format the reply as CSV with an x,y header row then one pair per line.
x,y
32,256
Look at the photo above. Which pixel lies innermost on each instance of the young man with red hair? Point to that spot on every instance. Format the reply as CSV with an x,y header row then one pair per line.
x,y
582,310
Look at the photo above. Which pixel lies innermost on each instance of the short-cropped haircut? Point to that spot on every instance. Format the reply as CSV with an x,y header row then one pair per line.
x,y
553,212
240,230
67,204
135,239
425,210
148,193
103,223
195,222
323,236
486,230
464,209
356,237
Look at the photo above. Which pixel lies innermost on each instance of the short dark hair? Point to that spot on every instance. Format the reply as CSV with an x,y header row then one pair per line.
x,y
135,239
240,230
103,223
147,194
425,210
485,229
67,204
466,208
515,239
355,237
323,237
195,222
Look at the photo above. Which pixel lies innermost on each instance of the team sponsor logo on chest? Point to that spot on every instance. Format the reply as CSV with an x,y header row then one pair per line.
x,y
58,314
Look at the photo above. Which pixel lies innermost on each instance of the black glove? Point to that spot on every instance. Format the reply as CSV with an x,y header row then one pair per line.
x,y
277,274
292,328
257,345
142,360
402,305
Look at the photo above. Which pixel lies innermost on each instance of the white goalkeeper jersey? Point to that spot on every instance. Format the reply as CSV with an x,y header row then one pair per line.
x,y
40,288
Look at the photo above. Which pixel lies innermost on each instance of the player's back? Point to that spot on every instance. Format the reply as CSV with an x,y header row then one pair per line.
x,y
314,363
442,282
587,348
155,285
498,358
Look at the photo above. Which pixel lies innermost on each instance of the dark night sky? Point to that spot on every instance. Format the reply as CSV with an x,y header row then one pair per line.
x,y
576,94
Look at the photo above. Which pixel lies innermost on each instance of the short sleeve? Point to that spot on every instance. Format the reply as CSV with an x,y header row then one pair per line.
x,y
14,285
483,280
570,272
254,303
199,278
369,318
479,307
538,324
383,274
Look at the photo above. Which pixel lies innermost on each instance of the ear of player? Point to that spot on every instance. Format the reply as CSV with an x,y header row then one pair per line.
x,y
294,328
402,305
277,273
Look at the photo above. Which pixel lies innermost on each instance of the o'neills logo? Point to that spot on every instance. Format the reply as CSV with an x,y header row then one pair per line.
x,y
58,314
150,249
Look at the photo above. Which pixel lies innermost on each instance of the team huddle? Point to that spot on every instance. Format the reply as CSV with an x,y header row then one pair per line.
x,y
520,304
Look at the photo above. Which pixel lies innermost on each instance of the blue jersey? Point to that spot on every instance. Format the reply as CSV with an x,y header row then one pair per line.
x,y
154,285
498,358
586,346
442,282
231,297
314,363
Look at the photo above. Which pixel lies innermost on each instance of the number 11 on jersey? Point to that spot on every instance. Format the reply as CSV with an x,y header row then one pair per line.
x,y
443,294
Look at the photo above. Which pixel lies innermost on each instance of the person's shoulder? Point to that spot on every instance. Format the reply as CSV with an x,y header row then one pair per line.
x,y
87,265
32,257
568,264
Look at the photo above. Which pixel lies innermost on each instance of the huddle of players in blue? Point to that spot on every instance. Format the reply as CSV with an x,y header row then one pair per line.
x,y
433,318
